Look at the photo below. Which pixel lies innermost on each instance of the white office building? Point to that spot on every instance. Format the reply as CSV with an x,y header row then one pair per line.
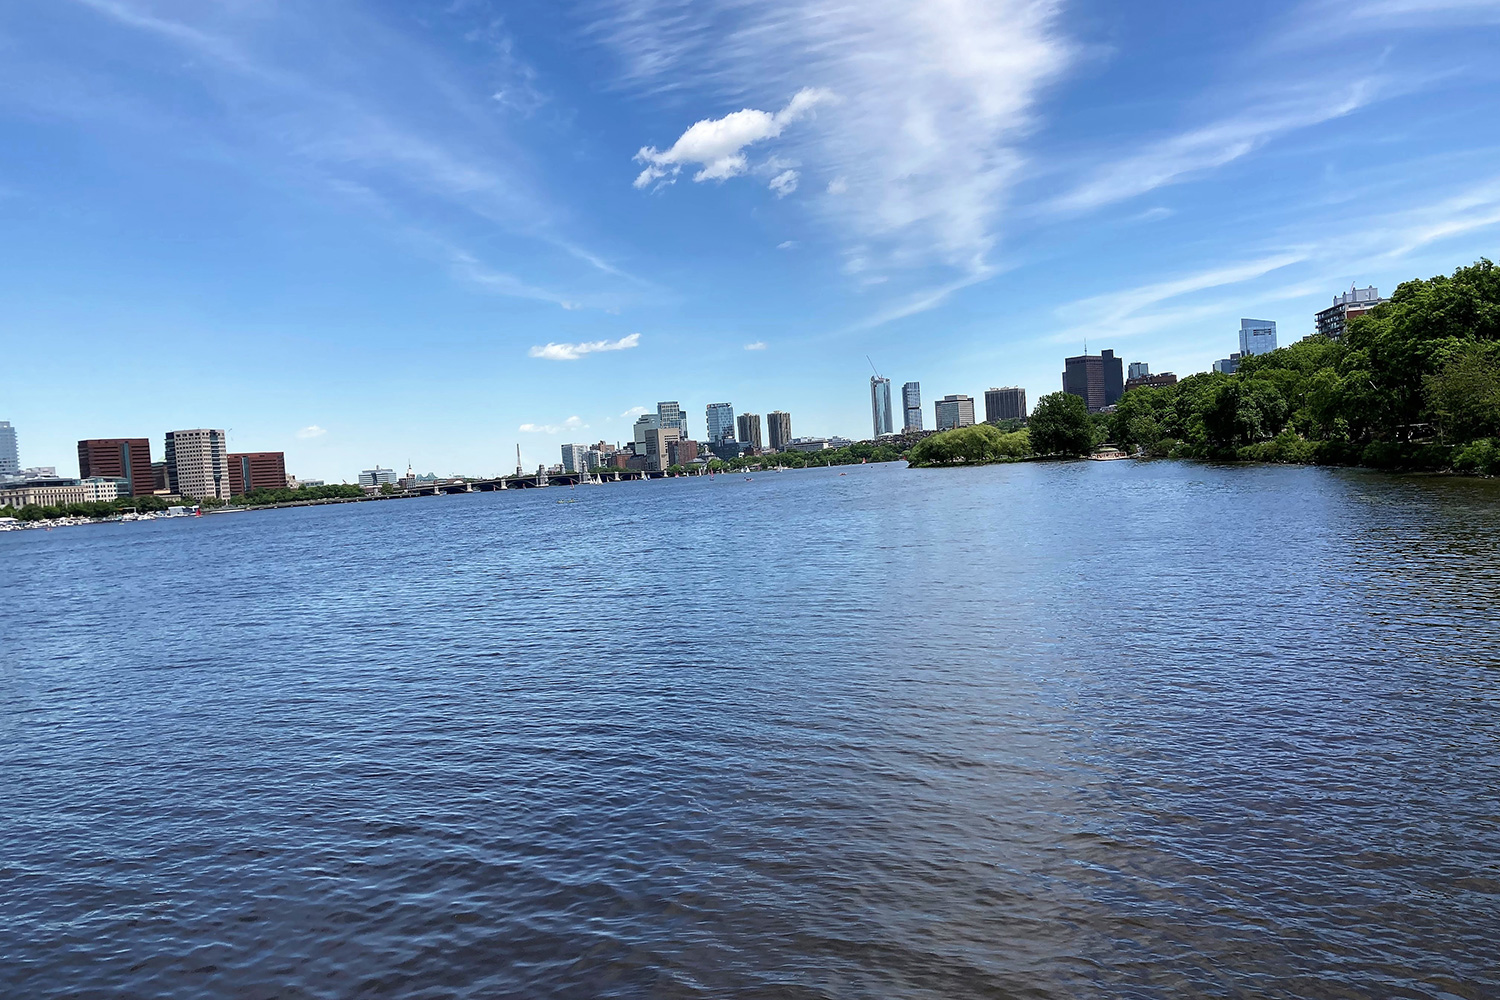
x,y
198,463
1257,336
377,477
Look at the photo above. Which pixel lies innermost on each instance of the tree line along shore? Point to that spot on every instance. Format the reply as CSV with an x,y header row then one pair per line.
x,y
1414,385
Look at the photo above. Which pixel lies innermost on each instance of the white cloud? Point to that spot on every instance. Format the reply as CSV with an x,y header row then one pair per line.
x,y
788,245
756,345
311,431
717,144
636,411
572,352
935,100
571,424
784,183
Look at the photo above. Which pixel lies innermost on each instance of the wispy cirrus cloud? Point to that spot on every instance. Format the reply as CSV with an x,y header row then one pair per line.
x,y
1132,311
311,431
330,113
1206,147
572,352
918,158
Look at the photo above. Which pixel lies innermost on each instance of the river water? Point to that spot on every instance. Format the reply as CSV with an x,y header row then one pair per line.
x,y
1047,730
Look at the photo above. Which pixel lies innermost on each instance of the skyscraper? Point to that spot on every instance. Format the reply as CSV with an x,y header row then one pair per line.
x,y
671,415
573,457
779,429
749,427
198,463
954,411
720,417
1008,403
911,402
118,458
10,455
1137,369
1257,336
643,423
880,404
659,447
1099,379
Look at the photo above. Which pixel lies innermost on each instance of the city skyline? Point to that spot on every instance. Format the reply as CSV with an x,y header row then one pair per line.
x,y
421,229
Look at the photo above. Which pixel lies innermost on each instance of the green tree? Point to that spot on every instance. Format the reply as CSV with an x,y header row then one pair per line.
x,y
1060,425
1463,396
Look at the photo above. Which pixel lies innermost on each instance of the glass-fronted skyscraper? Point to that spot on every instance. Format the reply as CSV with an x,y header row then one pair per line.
x,y
671,415
880,405
1257,336
911,402
720,417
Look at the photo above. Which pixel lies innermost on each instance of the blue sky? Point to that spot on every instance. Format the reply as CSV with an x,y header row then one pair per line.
x,y
351,231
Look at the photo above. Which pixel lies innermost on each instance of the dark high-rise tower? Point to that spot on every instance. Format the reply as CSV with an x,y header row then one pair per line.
x,y
1099,379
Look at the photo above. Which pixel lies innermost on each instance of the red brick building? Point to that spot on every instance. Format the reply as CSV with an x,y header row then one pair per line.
x,y
256,470
118,458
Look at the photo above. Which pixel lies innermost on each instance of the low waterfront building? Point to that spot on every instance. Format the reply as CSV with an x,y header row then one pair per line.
x,y
257,470
954,410
807,444
1149,381
59,492
682,451
377,477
